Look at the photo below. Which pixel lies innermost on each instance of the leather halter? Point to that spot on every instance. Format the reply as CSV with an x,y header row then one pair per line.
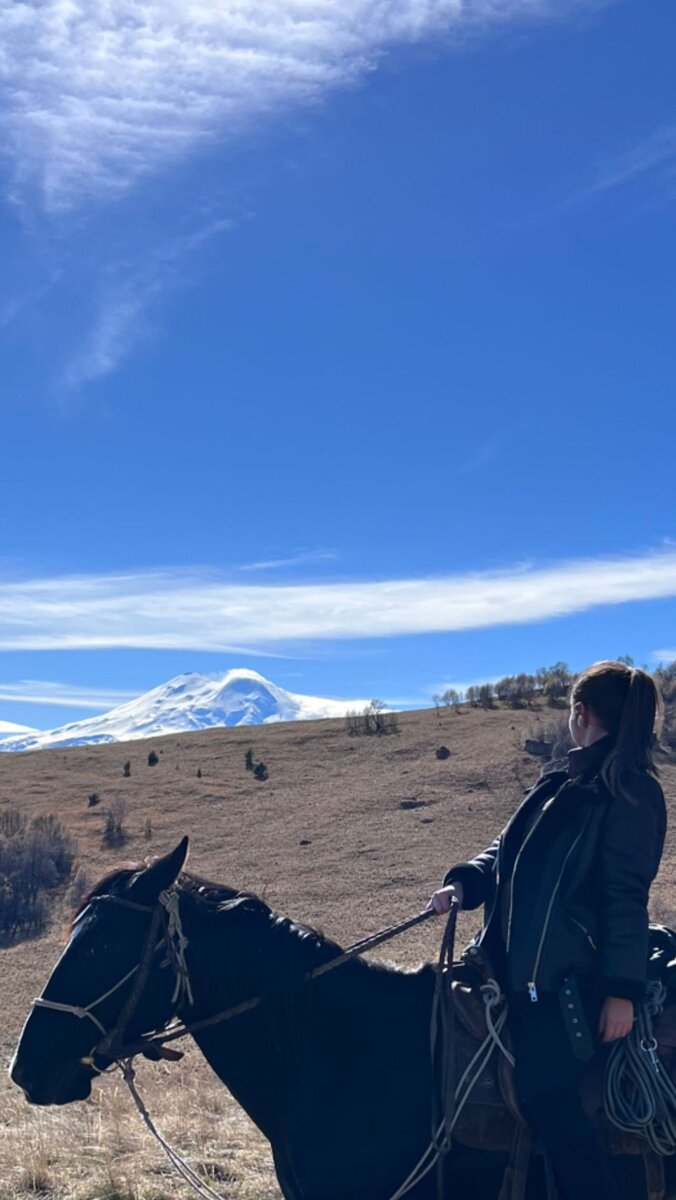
x,y
112,1039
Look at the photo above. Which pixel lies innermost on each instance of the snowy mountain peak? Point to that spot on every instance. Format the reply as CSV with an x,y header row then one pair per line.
x,y
7,728
189,702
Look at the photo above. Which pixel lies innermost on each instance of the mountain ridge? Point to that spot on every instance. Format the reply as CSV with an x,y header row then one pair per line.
x,y
190,701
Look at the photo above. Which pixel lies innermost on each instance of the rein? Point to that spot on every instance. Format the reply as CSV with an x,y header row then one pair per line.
x,y
154,1042
447,1104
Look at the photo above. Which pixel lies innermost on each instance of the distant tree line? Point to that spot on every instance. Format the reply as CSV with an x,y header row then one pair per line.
x,y
552,684
36,856
372,720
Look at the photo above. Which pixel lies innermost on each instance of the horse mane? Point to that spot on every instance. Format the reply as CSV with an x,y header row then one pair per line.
x,y
217,897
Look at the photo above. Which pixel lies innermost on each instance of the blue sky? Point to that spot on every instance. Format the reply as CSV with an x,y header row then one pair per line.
x,y
337,342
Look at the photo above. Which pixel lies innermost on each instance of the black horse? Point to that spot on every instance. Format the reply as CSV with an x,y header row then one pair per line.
x,y
336,1073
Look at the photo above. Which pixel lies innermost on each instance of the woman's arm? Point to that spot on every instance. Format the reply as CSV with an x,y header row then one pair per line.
x,y
476,876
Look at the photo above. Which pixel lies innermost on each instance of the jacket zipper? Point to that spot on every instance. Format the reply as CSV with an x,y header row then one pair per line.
x,y
532,985
511,882
585,931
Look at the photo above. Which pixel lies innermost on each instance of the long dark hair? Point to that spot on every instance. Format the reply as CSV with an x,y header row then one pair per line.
x,y
628,704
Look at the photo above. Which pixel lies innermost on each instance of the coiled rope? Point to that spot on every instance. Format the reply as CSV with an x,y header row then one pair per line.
x,y
639,1096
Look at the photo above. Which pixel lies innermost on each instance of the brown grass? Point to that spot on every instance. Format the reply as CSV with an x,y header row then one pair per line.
x,y
382,819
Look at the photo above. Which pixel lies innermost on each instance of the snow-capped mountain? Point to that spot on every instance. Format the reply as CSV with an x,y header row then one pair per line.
x,y
9,729
186,703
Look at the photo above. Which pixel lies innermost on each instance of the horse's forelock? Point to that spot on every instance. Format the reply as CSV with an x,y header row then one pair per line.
x,y
113,881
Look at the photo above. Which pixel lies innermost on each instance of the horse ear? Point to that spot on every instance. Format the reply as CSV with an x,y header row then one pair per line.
x,y
161,874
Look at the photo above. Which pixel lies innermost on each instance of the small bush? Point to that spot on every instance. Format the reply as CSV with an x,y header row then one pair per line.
x,y
93,799
36,856
249,760
152,759
114,830
199,772
260,772
80,886
126,770
553,731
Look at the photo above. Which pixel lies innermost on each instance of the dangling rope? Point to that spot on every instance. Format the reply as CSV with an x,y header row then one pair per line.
x,y
187,1173
177,943
639,1096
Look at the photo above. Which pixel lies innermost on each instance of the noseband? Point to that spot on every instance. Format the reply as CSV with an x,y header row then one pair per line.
x,y
165,912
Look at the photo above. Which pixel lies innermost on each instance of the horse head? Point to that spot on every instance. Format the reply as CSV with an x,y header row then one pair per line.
x,y
110,971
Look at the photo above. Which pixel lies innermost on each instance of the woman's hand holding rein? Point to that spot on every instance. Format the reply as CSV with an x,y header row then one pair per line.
x,y
442,899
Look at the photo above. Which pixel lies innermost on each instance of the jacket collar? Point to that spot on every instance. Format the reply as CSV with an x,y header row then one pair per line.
x,y
587,760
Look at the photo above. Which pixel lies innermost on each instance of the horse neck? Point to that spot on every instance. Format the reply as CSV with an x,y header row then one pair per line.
x,y
300,1045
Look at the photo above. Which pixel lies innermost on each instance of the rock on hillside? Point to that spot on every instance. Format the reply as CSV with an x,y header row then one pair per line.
x,y
189,702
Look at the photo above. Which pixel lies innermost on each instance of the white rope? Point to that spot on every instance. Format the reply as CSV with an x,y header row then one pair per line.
x,y
187,1173
492,997
177,944
78,1010
639,1097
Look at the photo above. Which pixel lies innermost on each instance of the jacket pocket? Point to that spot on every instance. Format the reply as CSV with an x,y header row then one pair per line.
x,y
584,930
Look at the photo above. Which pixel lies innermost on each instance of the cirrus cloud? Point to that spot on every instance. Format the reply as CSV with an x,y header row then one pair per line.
x,y
202,611
97,95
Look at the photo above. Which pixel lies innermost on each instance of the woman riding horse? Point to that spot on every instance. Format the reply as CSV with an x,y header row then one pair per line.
x,y
565,894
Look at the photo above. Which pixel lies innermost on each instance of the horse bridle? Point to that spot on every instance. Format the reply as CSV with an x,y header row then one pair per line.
x,y
172,939
153,1045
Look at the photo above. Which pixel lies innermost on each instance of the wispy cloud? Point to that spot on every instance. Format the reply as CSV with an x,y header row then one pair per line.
x,y
655,155
127,295
98,95
651,161
484,454
664,656
64,695
167,609
301,558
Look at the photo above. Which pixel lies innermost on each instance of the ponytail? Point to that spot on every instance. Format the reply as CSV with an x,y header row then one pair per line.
x,y
627,703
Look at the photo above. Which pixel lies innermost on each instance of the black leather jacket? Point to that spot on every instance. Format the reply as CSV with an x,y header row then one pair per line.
x,y
577,882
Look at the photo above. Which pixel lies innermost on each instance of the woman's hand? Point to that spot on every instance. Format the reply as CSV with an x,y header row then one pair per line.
x,y
441,900
617,1018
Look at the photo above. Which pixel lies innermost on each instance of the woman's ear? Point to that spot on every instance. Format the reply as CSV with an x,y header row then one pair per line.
x,y
159,875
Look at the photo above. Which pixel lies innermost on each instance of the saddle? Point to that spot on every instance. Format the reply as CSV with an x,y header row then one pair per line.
x,y
492,1119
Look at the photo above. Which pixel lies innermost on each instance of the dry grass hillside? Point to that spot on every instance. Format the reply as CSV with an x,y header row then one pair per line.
x,y
348,833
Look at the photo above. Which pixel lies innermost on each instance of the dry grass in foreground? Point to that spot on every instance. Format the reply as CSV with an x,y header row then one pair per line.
x,y
100,1150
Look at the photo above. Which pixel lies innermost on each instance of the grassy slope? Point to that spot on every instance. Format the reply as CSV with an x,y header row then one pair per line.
x,y
369,862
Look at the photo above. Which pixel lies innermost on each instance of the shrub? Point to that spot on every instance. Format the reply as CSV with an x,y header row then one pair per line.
x,y
553,730
373,720
36,856
114,830
126,770
260,772
554,682
199,772
93,799
80,886
249,759
152,759
518,691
